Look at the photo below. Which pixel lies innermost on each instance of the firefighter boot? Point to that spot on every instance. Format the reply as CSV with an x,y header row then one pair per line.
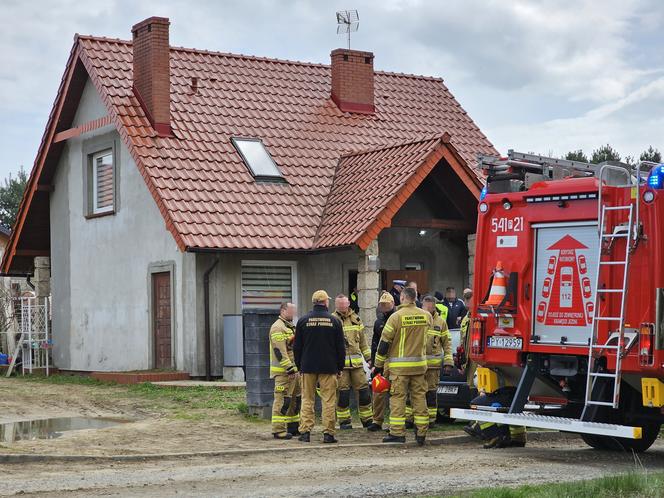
x,y
517,438
394,439
346,425
498,437
329,438
374,427
282,435
473,430
292,428
304,437
419,438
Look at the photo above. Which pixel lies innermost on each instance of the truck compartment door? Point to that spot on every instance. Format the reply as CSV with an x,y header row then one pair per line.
x,y
564,282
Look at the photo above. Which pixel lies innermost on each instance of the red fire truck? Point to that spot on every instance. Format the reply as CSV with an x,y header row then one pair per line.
x,y
569,298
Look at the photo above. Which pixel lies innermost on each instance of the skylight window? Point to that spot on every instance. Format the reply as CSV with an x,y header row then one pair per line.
x,y
257,158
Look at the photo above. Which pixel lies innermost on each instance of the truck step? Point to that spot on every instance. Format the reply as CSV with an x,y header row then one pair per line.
x,y
548,422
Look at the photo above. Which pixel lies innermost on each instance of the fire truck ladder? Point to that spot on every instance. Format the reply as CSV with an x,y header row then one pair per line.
x,y
608,235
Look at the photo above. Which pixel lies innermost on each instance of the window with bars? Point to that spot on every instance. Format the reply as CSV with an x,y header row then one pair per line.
x,y
266,286
102,172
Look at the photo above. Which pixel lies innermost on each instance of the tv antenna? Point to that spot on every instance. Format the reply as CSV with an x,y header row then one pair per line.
x,y
348,22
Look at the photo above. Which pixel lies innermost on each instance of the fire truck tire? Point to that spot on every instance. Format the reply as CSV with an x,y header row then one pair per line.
x,y
596,442
650,433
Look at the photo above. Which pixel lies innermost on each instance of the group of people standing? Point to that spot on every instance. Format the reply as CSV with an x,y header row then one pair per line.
x,y
325,352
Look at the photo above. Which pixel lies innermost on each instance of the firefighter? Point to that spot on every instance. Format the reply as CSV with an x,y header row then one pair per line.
x,y
468,366
403,345
319,353
385,310
499,435
286,405
439,354
357,351
440,306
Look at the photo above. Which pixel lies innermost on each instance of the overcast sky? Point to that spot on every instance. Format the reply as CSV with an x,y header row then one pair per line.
x,y
541,76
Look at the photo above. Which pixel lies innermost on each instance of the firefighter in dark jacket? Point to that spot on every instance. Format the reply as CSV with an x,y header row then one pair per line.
x,y
385,309
319,351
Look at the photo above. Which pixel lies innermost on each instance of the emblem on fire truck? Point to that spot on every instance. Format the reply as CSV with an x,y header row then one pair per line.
x,y
565,294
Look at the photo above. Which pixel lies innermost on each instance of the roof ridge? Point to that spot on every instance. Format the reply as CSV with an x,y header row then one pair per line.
x,y
394,145
258,58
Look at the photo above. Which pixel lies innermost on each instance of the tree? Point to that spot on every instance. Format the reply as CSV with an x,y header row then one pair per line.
x,y
652,155
576,155
604,153
11,193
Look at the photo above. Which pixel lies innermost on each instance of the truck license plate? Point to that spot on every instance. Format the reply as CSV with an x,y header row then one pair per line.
x,y
448,389
505,342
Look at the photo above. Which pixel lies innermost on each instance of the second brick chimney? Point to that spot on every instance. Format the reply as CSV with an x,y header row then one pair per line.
x,y
152,71
353,80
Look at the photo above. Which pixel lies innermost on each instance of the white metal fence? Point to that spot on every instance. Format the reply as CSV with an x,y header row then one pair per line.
x,y
28,321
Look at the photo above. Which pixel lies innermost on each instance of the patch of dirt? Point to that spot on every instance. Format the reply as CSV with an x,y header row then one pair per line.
x,y
332,471
160,426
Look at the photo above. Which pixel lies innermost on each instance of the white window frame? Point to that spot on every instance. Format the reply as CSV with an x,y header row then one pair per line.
x,y
107,209
259,262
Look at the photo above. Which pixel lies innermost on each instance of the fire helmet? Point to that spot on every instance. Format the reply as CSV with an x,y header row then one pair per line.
x,y
380,384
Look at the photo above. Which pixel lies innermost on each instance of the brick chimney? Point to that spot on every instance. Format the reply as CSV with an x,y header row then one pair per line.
x,y
152,72
353,80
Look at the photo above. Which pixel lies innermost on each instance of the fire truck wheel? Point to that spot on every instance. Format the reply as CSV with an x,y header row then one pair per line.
x,y
650,433
596,442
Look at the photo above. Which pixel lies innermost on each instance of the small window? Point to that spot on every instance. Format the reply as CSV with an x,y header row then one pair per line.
x,y
257,158
266,286
103,182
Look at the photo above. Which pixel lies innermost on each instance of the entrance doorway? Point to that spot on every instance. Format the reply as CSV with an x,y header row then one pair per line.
x,y
161,319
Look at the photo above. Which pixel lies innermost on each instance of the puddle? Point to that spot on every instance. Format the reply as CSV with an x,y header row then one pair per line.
x,y
51,428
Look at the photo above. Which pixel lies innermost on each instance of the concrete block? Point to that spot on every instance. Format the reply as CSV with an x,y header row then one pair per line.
x,y
233,374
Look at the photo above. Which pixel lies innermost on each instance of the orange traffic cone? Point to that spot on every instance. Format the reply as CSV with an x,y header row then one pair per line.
x,y
498,287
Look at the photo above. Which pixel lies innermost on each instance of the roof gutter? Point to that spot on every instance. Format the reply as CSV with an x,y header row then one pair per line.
x,y
204,250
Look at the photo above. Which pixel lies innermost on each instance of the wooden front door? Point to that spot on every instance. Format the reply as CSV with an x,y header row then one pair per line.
x,y
161,319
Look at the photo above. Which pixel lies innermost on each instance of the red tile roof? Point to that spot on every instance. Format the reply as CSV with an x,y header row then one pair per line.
x,y
367,184
208,195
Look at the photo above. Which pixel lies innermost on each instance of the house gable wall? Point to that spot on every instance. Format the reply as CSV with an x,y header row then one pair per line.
x,y
100,266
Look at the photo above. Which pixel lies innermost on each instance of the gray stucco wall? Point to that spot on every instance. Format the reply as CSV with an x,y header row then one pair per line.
x,y
445,259
100,266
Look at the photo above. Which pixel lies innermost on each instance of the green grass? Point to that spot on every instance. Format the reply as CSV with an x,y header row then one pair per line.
x,y
630,485
178,402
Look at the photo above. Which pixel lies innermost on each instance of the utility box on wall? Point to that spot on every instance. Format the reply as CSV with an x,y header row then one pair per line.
x,y
233,348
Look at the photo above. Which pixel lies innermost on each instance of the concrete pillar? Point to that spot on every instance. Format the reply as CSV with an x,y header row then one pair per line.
x,y
471,258
368,283
42,278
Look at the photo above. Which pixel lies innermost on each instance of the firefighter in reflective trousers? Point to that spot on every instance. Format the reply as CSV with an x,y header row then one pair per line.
x,y
319,354
403,345
286,405
439,354
357,351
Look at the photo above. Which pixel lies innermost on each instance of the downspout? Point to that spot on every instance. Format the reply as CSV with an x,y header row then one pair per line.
x,y
206,303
